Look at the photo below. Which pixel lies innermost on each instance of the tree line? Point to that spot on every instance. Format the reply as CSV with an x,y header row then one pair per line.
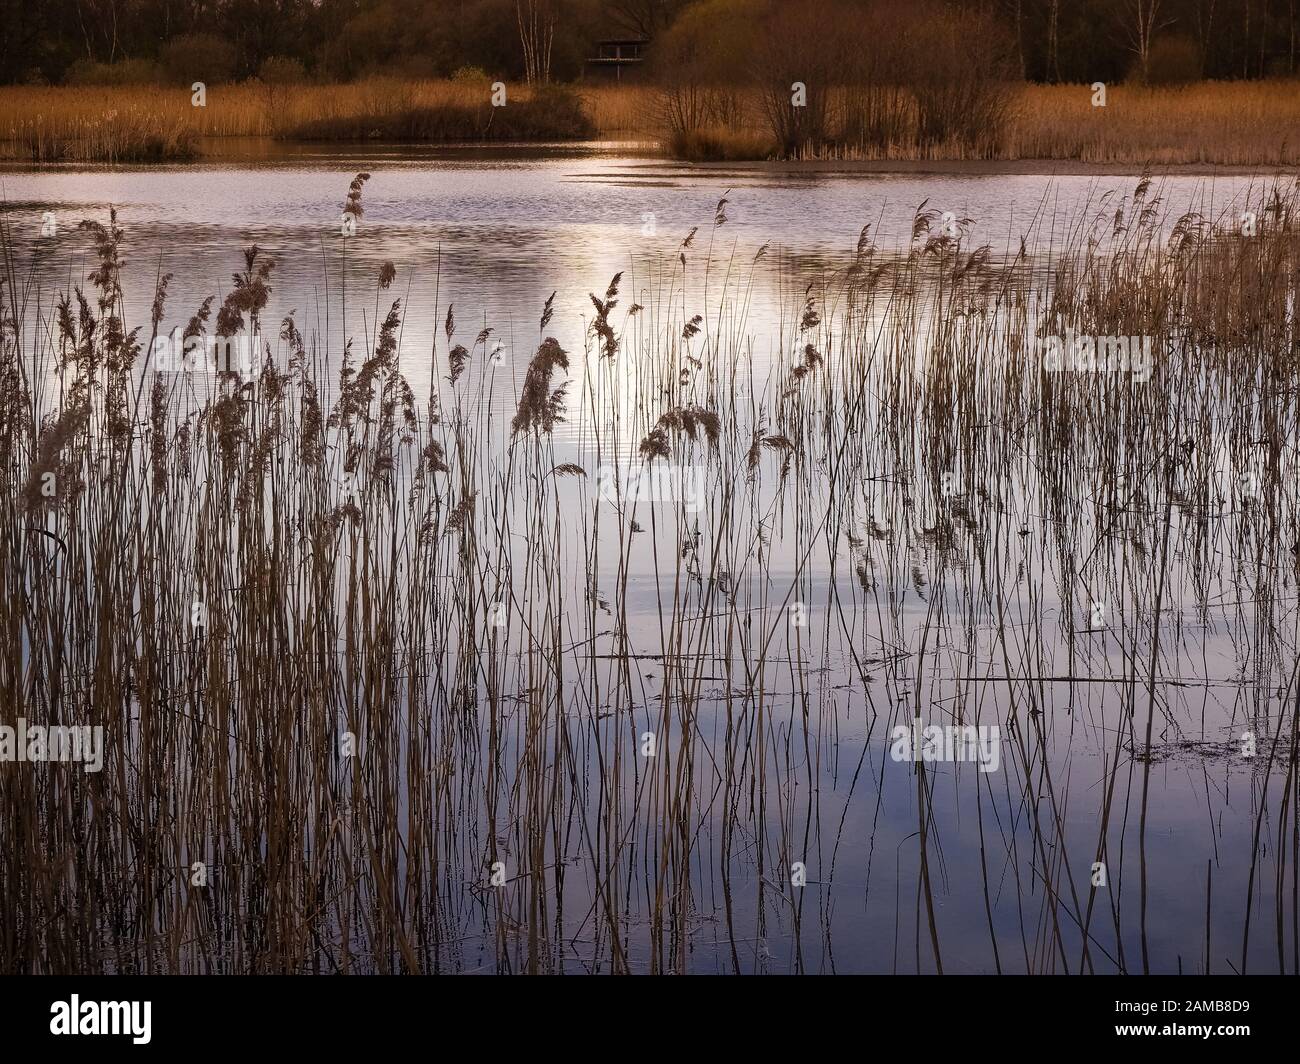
x,y
53,41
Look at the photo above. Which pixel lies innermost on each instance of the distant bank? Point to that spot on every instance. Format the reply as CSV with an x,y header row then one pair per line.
x,y
1204,124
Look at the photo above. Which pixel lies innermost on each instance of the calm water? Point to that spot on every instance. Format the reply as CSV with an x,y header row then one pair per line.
x,y
1010,852
496,233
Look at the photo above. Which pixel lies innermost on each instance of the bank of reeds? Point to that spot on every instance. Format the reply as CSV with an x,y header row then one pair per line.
x,y
1224,123
133,135
1211,123
392,682
544,114
162,123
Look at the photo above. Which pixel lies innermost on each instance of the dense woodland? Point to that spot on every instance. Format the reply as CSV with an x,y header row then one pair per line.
x,y
97,41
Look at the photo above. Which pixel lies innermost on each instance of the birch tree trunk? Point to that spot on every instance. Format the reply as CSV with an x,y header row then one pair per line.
x,y
536,20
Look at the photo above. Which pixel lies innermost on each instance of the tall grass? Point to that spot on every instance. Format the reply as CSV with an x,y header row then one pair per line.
x,y
1231,123
109,124
547,113
1228,123
136,134
386,659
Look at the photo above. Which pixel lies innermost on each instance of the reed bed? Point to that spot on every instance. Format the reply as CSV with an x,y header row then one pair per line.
x,y
408,677
1221,123
134,134
1224,123
150,123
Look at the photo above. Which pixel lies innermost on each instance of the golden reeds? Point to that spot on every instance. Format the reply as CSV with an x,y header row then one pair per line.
x,y
1228,123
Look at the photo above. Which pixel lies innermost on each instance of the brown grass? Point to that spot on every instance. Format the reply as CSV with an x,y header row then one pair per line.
x,y
100,124
1230,123
1244,124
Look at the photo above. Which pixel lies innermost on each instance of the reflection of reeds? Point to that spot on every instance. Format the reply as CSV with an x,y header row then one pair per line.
x,y
386,670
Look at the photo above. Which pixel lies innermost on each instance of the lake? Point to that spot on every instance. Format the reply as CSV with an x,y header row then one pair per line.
x,y
663,706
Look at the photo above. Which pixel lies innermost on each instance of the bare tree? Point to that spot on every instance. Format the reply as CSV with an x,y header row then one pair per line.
x,y
103,18
1204,18
646,18
1290,66
1053,37
1013,11
796,71
536,20
1141,22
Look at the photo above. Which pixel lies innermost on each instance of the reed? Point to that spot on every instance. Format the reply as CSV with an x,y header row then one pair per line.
x,y
156,123
1221,123
400,684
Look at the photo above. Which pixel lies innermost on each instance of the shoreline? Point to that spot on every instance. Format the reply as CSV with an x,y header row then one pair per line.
x,y
1203,127
225,151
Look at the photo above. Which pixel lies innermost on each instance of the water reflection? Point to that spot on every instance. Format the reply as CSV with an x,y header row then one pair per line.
x,y
677,751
